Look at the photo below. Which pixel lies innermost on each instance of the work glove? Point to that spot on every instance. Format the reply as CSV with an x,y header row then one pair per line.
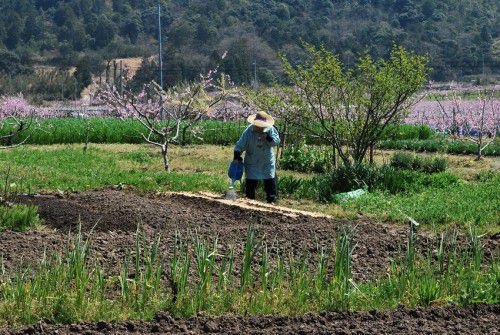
x,y
237,157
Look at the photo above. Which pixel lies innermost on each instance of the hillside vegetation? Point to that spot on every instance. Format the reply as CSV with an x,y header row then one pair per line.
x,y
461,36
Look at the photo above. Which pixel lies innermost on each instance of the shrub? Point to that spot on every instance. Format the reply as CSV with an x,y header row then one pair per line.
x,y
140,156
304,158
288,185
438,164
19,217
440,180
395,181
346,179
402,160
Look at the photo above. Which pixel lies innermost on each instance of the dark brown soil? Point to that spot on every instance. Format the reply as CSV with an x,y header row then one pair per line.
x,y
476,319
116,214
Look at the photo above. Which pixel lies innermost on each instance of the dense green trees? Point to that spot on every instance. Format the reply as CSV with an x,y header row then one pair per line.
x,y
458,34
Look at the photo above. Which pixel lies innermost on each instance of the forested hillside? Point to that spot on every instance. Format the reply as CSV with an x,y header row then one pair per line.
x,y
461,36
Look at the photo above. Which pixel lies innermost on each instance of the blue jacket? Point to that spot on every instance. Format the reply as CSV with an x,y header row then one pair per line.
x,y
260,162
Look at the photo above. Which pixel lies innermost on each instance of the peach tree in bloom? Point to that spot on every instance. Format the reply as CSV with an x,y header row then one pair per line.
x,y
17,120
167,113
482,119
474,120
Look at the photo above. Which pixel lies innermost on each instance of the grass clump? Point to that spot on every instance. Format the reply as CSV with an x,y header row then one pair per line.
x,y
373,178
19,217
409,161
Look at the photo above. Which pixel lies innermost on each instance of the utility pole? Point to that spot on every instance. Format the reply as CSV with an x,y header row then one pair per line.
x,y
255,83
483,64
160,58
100,74
107,73
75,81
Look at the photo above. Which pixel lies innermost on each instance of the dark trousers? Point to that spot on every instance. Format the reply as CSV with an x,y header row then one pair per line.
x,y
270,186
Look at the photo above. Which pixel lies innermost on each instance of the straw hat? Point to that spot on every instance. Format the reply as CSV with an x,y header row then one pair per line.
x,y
261,119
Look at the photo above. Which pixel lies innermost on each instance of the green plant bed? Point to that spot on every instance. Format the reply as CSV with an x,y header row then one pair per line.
x,y
438,145
113,130
407,132
68,288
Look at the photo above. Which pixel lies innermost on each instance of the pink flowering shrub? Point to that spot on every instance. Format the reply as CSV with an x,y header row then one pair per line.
x,y
15,107
17,116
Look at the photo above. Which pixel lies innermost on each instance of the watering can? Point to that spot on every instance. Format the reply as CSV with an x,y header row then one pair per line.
x,y
235,172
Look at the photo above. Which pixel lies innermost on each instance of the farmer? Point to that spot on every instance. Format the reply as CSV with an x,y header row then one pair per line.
x,y
258,141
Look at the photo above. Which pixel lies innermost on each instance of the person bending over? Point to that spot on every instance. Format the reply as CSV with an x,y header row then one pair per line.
x,y
258,141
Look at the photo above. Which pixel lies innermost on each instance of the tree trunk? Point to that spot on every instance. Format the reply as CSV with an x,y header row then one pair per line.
x,y
372,149
479,150
283,144
164,153
86,147
10,139
335,158
345,157
184,130
87,136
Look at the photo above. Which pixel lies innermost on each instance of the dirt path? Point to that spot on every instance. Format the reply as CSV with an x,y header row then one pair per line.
x,y
476,319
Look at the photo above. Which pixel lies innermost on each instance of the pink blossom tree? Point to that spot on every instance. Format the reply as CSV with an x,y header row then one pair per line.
x,y
479,120
17,117
470,120
166,113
